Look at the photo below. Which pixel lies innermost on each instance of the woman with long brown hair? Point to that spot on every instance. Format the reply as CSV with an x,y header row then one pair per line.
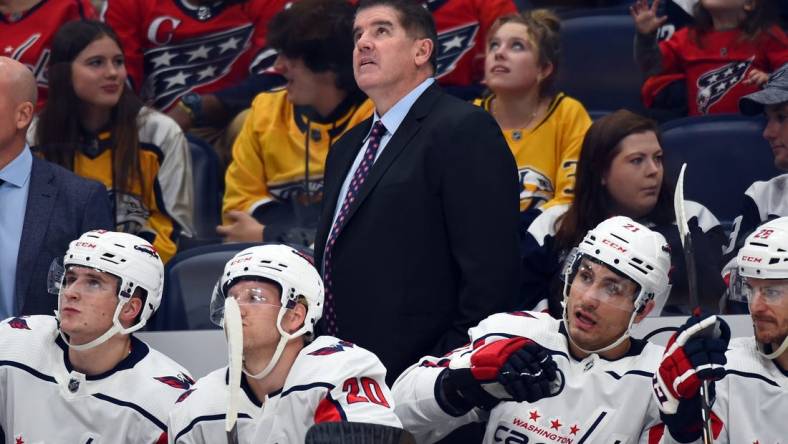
x,y
94,125
620,172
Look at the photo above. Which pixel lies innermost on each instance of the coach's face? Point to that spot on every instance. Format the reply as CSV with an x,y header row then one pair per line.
x,y
386,59
776,133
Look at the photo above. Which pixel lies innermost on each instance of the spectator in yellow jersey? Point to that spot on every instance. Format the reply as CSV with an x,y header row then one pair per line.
x,y
94,125
274,184
544,129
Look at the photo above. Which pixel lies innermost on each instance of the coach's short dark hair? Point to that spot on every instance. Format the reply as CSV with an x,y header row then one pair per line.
x,y
320,32
415,18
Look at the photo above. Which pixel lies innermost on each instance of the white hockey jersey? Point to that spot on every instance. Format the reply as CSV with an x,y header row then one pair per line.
x,y
44,400
752,399
600,401
330,380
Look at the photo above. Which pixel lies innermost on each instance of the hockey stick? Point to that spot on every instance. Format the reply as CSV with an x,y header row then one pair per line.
x,y
689,259
234,331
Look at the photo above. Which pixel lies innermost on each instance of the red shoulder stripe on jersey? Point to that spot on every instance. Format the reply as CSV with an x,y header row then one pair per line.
x,y
329,411
655,433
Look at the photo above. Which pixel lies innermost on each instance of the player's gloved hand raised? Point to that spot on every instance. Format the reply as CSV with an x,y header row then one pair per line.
x,y
515,369
695,353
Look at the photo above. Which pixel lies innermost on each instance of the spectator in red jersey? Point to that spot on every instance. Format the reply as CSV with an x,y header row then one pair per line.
x,y
27,28
728,52
178,50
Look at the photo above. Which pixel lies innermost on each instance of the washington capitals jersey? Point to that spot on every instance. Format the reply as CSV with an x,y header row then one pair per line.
x,y
330,380
547,154
27,37
174,46
159,207
270,154
462,29
716,69
43,399
763,201
599,401
751,401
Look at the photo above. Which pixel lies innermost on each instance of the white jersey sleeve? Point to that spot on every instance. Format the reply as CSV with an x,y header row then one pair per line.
x,y
751,400
600,400
44,399
331,380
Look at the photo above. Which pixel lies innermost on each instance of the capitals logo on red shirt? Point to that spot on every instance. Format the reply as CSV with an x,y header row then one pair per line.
x,y
172,70
713,85
181,381
452,44
18,323
331,349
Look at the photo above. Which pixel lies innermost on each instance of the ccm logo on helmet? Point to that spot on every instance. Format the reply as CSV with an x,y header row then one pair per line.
x,y
614,245
147,250
241,259
756,260
85,245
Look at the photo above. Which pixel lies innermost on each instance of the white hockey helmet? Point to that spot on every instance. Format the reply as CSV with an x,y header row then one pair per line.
x,y
632,250
764,256
131,259
296,277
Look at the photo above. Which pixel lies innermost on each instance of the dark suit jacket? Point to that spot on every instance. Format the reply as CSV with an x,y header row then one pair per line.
x,y
430,245
60,207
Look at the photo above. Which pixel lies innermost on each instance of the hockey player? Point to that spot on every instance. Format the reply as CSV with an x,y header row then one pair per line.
x,y
80,376
583,379
289,381
752,398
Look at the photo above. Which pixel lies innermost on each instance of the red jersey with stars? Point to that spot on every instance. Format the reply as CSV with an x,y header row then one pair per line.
x,y
716,68
27,36
462,28
176,46
599,400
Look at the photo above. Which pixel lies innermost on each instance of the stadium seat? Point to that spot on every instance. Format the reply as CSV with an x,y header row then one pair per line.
x,y
207,188
189,279
724,155
597,63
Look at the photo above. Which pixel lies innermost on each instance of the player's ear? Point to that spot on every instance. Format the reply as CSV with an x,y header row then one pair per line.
x,y
294,318
644,311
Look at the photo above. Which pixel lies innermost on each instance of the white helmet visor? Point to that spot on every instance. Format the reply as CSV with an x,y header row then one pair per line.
x,y
254,294
772,292
599,281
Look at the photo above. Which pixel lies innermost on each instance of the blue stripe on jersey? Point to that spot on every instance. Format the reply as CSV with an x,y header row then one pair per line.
x,y
206,418
752,375
30,370
592,428
133,406
631,372
301,388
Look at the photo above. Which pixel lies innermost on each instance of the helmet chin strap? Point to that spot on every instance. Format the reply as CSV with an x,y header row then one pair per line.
x,y
774,354
284,337
614,344
112,331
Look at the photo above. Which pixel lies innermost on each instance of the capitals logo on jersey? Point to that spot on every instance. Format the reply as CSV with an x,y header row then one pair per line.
x,y
713,85
331,349
452,44
18,323
172,70
181,381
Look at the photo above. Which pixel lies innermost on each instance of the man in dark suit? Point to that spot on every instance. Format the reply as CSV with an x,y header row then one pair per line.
x,y
42,206
418,235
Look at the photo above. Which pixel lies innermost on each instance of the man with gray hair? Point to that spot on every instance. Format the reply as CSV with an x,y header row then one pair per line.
x,y
44,206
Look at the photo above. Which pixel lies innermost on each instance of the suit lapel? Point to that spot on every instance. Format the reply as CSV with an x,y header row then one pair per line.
x,y
41,196
407,129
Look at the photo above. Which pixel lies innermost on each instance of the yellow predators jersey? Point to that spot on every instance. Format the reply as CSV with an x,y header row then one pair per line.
x,y
270,154
161,210
547,154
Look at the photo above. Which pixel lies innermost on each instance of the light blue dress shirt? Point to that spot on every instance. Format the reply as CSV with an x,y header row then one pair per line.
x,y
13,203
391,120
